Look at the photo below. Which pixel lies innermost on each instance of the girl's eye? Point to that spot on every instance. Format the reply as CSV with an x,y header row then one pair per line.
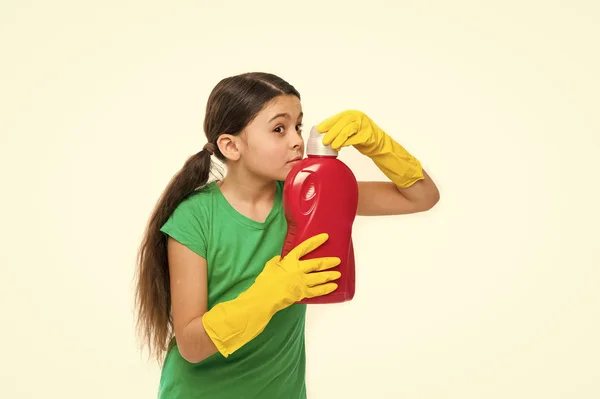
x,y
281,129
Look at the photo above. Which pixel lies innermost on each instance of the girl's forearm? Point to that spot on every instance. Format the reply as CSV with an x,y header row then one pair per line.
x,y
194,343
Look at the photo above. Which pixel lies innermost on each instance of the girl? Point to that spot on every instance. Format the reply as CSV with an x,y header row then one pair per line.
x,y
211,291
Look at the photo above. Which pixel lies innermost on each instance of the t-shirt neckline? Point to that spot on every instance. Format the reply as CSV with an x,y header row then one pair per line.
x,y
276,208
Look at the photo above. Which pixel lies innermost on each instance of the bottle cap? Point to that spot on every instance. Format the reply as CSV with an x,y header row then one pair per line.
x,y
315,145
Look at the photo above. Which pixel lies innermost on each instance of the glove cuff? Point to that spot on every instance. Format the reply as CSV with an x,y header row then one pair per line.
x,y
401,167
232,324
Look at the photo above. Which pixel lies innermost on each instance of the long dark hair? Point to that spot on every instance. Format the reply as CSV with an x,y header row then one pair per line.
x,y
232,104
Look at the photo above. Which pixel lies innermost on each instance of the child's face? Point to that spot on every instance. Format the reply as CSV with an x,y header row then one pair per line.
x,y
273,140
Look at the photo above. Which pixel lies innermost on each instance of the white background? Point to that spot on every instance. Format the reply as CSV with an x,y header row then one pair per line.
x,y
492,294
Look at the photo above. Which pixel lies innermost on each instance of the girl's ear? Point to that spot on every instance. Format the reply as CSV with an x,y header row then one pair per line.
x,y
229,147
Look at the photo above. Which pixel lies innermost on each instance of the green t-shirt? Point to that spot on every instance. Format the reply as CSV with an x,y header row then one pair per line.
x,y
236,248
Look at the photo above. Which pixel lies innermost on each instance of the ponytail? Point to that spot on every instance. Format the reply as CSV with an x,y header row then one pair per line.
x,y
152,291
232,105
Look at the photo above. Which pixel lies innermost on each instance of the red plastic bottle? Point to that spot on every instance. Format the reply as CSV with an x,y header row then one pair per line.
x,y
320,195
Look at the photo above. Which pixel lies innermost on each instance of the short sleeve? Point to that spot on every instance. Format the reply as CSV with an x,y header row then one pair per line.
x,y
188,225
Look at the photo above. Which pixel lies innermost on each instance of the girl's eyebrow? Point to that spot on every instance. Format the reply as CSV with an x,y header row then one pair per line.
x,y
285,115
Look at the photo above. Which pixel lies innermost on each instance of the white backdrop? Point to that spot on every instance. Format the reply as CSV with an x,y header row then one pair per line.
x,y
492,294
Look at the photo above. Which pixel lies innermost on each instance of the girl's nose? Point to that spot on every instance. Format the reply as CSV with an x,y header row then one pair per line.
x,y
297,141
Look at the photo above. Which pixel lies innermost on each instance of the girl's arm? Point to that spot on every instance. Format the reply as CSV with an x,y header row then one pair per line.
x,y
385,198
229,325
189,297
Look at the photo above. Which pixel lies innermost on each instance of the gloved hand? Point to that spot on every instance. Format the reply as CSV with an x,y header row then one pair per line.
x,y
283,282
357,129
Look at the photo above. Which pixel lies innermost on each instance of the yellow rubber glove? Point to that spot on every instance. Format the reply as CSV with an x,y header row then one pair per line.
x,y
357,129
283,282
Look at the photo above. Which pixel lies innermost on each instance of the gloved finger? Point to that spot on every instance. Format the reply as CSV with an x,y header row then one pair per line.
x,y
337,128
307,246
318,264
320,290
347,132
328,123
314,279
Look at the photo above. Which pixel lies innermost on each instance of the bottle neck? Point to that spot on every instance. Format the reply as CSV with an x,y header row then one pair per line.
x,y
315,146
321,156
